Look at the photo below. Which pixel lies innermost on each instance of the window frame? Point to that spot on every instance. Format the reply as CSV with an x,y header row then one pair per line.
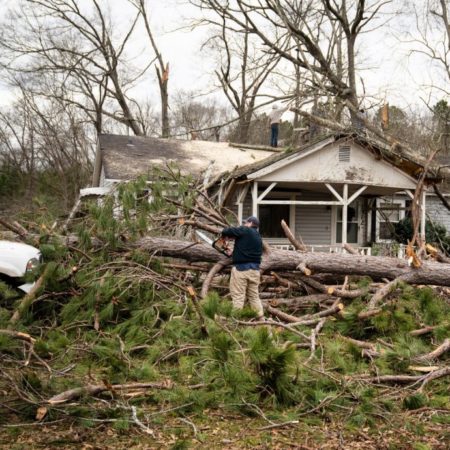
x,y
401,215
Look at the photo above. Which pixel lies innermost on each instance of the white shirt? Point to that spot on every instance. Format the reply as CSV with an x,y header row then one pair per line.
x,y
275,115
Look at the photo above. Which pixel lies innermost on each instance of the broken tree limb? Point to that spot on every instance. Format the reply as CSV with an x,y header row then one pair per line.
x,y
383,292
436,254
331,290
430,273
350,249
282,315
200,225
312,319
211,274
445,371
18,335
309,319
300,302
95,389
367,348
292,239
200,213
435,354
283,281
72,214
315,332
369,313
274,323
193,296
423,369
424,330
303,269
441,197
28,299
394,378
416,379
15,228
143,427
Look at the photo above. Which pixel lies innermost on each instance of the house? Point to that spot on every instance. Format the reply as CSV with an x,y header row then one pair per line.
x,y
343,188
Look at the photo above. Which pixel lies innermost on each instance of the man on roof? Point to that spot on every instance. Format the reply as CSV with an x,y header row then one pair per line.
x,y
274,121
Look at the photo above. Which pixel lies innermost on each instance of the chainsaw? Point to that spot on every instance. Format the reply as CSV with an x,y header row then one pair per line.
x,y
221,244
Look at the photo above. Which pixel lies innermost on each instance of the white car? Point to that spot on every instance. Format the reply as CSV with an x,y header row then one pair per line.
x,y
16,260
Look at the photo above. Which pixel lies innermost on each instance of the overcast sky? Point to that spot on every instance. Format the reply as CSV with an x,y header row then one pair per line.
x,y
390,73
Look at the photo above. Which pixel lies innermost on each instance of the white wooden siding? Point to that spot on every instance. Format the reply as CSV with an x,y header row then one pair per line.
x,y
437,212
313,224
324,166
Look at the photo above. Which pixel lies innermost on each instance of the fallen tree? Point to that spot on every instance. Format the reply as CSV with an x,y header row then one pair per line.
x,y
430,273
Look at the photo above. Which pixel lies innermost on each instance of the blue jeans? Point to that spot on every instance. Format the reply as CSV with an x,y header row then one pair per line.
x,y
274,135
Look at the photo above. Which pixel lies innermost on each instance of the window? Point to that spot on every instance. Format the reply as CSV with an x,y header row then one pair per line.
x,y
270,217
352,223
389,212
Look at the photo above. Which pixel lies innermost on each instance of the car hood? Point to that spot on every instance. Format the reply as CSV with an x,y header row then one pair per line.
x,y
14,257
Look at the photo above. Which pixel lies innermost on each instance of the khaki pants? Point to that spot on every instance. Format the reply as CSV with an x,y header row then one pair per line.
x,y
244,285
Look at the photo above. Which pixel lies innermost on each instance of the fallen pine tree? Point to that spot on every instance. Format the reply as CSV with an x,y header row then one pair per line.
x,y
121,317
430,273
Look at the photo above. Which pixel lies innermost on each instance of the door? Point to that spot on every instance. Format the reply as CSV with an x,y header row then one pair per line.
x,y
354,223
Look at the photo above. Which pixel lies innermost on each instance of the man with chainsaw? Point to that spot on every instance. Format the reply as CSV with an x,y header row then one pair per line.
x,y
245,276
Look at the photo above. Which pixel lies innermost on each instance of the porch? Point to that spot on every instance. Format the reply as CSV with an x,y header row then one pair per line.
x,y
325,216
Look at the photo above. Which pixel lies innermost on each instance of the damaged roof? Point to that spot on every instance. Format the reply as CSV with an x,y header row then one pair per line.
x,y
127,157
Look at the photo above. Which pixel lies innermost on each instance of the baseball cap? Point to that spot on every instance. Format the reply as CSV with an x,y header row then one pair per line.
x,y
253,220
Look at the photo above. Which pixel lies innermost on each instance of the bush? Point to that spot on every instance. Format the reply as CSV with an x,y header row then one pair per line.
x,y
434,233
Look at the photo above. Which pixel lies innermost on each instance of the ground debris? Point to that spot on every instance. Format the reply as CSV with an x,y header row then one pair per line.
x,y
142,336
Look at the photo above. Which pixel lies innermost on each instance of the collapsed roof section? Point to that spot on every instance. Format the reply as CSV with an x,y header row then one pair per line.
x,y
127,157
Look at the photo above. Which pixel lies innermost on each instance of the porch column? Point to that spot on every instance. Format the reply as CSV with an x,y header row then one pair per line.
x,y
240,213
344,213
423,216
255,199
292,214
240,202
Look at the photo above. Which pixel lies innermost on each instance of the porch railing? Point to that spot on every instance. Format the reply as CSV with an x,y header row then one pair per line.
x,y
392,249
284,244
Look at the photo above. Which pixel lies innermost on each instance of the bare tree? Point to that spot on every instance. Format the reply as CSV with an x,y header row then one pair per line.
x,y
162,69
206,120
312,27
431,38
47,147
60,37
243,69
430,41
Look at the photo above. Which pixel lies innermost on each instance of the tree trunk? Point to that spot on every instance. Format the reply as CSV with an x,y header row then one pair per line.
x,y
243,127
163,88
127,114
431,273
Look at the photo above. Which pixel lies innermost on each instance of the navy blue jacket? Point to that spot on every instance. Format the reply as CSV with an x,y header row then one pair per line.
x,y
247,246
